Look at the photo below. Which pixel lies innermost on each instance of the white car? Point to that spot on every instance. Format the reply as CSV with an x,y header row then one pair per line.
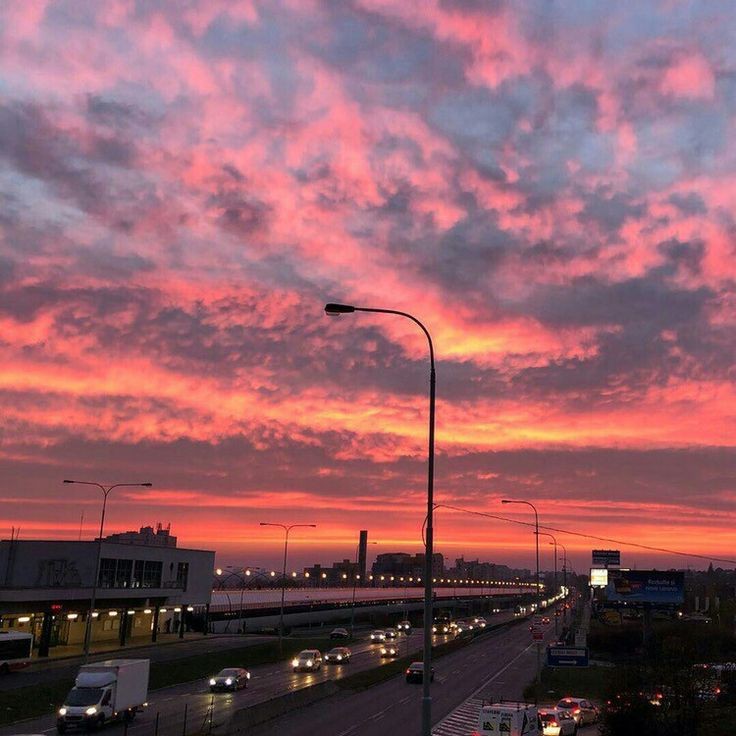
x,y
308,660
582,710
378,635
557,722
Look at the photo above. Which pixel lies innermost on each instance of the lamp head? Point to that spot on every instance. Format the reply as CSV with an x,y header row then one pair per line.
x,y
68,481
506,500
335,310
146,485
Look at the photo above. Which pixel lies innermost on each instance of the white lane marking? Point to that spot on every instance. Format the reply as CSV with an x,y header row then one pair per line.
x,y
349,730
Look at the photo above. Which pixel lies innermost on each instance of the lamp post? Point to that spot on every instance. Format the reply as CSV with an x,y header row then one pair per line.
x,y
105,493
287,529
557,587
355,582
338,309
564,582
539,593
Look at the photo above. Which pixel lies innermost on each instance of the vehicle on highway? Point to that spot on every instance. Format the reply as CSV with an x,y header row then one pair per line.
x,y
231,678
557,722
480,621
509,718
441,628
15,650
404,626
378,635
545,619
582,710
391,633
389,650
415,672
339,633
308,660
104,692
338,655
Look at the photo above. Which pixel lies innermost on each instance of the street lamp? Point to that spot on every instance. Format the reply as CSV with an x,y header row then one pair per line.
x,y
286,529
539,592
336,310
355,582
553,543
564,582
105,492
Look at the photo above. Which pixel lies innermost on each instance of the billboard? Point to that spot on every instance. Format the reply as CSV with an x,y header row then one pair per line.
x,y
559,656
645,586
598,577
606,558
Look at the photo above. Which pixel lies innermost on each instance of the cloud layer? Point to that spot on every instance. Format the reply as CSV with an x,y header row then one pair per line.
x,y
551,190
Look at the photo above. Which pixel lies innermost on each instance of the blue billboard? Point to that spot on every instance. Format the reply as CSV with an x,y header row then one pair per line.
x,y
646,586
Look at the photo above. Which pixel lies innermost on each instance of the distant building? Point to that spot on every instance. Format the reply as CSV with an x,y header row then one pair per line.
x,y
403,564
338,574
145,584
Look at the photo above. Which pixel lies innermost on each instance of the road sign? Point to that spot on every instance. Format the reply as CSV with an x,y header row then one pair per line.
x,y
606,558
567,656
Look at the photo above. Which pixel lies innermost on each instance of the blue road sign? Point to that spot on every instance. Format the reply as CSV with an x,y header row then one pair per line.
x,y
567,656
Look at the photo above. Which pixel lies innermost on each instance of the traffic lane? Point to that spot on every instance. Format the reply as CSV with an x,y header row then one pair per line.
x,y
55,669
378,710
267,682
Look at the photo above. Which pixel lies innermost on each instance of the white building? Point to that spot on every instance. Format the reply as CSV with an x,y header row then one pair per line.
x,y
146,585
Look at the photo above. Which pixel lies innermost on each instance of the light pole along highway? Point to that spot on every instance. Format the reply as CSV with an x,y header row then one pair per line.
x,y
287,529
536,581
336,310
557,587
105,492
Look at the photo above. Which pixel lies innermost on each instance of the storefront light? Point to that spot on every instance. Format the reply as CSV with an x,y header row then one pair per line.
x,y
72,616
24,619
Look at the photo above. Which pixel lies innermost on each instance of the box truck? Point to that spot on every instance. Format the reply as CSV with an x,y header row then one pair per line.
x,y
105,691
15,650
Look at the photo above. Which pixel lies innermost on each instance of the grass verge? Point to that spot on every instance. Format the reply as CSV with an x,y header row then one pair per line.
x,y
580,682
38,700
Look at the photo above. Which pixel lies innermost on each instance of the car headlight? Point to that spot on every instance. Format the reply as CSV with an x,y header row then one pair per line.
x,y
383,650
294,662
229,681
213,681
309,663
91,710
247,675
62,711
339,657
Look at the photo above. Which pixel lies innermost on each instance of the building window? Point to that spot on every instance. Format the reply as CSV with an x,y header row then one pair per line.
x,y
107,573
123,573
137,581
182,575
152,574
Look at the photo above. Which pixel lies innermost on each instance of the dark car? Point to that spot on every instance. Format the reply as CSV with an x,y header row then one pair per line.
x,y
339,633
232,678
389,650
415,672
338,655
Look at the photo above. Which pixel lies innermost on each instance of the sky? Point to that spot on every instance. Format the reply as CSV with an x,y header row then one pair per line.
x,y
550,187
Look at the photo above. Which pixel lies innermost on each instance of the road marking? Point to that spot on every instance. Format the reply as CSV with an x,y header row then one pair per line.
x,y
465,716
349,730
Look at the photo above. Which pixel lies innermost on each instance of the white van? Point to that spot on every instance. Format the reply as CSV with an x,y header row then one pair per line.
x,y
510,719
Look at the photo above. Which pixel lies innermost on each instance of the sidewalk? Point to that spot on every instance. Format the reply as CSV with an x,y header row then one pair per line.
x,y
137,642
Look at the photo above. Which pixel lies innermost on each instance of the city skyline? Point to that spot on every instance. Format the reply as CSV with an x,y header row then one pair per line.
x,y
183,188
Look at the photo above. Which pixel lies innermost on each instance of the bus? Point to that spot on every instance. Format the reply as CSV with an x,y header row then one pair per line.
x,y
15,650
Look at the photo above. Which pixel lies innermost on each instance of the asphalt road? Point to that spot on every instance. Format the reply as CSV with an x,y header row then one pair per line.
x,y
266,682
502,661
55,669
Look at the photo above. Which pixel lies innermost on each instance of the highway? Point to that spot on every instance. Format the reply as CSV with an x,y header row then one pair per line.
x,y
502,661
266,682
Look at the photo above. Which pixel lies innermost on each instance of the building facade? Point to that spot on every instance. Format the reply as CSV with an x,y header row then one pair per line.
x,y
143,588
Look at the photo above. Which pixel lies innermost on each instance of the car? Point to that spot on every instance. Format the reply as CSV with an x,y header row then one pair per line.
x,y
545,619
463,626
231,678
338,655
582,710
308,660
557,722
415,672
339,633
441,628
378,635
389,650
481,622
404,626
391,633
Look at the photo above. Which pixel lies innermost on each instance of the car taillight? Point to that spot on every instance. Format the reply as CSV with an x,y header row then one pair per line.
x,y
577,710
408,672
553,724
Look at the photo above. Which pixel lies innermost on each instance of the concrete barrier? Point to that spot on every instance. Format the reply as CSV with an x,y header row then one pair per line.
x,y
247,718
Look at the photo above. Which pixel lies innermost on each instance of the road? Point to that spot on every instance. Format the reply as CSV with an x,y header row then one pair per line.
x,y
502,661
266,682
55,669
